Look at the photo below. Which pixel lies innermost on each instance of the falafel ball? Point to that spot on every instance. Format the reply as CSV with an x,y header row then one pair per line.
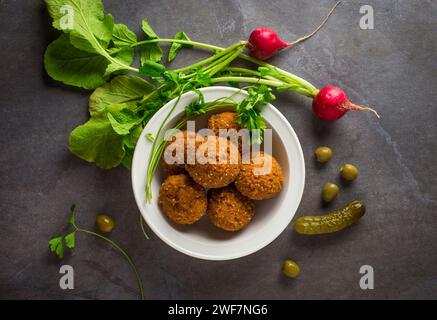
x,y
175,143
219,168
258,180
182,200
228,209
224,120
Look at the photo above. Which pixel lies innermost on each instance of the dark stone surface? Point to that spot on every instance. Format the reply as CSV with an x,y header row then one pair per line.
x,y
392,67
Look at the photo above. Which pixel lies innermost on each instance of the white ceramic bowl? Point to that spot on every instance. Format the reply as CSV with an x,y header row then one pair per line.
x,y
202,239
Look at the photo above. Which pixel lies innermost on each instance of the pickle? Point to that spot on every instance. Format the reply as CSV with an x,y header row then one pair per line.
x,y
331,222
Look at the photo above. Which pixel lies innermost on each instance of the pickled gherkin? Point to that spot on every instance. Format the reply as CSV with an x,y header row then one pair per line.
x,y
331,222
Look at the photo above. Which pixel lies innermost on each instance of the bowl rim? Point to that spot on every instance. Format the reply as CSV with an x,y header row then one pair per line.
x,y
139,201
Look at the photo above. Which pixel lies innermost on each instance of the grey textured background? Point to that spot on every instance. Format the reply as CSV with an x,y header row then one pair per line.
x,y
392,67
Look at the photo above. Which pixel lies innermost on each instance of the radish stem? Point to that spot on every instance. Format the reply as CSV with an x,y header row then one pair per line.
x,y
210,59
310,89
248,80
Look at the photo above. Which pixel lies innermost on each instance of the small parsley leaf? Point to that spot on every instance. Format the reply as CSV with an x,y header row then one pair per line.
x,y
249,113
70,240
56,246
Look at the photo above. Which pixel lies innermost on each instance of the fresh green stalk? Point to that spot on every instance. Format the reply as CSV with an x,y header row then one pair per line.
x,y
310,89
225,63
124,253
218,62
152,166
211,65
113,243
187,42
244,71
212,58
142,228
270,83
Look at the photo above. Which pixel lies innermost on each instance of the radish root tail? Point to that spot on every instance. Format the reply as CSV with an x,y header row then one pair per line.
x,y
352,106
315,30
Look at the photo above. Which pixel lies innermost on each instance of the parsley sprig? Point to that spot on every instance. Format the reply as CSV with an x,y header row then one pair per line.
x,y
56,245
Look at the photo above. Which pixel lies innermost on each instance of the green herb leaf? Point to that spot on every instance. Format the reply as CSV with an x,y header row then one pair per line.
x,y
200,79
150,136
56,246
150,51
125,55
72,219
70,240
176,47
127,159
120,128
172,77
131,139
122,36
249,114
96,141
127,90
152,69
147,29
198,107
123,120
75,67
80,55
91,29
195,109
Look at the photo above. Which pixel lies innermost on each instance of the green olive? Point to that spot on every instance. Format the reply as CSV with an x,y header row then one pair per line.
x,y
104,223
290,268
323,154
329,192
349,172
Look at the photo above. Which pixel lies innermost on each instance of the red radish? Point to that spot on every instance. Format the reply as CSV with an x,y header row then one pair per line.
x,y
331,103
264,43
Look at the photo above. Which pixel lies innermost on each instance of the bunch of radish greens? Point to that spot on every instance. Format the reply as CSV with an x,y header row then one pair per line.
x,y
94,52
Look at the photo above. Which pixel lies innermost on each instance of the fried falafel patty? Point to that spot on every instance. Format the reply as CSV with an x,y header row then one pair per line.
x,y
182,200
258,180
173,148
228,209
220,168
224,120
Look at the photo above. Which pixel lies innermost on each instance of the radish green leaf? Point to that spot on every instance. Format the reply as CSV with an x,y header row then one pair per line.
x,y
176,47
